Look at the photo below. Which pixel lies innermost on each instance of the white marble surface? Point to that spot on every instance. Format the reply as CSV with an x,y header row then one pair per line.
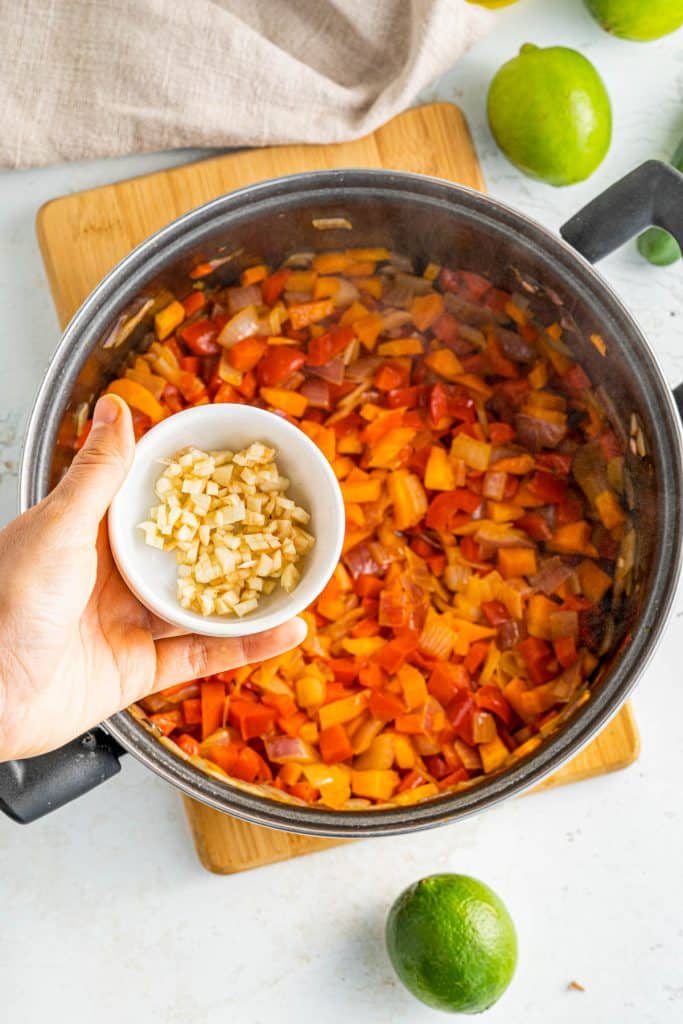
x,y
106,913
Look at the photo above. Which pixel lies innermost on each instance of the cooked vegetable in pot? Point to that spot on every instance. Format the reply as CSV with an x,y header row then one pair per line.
x,y
483,489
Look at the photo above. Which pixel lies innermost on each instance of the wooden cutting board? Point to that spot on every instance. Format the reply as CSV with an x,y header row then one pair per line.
x,y
83,235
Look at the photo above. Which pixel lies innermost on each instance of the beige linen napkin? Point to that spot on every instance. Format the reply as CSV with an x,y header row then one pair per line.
x,y
89,78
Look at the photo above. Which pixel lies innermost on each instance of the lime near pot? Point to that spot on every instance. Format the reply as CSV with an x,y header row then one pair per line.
x,y
427,219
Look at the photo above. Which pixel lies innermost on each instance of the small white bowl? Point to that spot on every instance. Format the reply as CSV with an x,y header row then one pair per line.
x,y
151,573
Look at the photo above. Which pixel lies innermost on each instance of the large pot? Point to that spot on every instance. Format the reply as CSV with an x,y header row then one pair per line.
x,y
425,218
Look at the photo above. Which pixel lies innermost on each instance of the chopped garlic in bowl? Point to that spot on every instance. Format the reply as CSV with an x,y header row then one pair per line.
x,y
235,533
228,547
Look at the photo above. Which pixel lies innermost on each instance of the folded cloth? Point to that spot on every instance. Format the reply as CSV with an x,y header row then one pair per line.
x,y
91,78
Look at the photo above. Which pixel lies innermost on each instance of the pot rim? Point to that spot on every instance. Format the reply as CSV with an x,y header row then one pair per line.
x,y
149,257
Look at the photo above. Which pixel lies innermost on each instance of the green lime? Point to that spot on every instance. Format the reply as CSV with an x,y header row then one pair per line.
x,y
640,20
658,247
550,114
452,943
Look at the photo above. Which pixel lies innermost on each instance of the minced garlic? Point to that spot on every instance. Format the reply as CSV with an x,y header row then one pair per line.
x,y
234,532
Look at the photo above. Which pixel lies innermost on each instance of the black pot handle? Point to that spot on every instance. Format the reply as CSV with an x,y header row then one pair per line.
x,y
34,786
652,194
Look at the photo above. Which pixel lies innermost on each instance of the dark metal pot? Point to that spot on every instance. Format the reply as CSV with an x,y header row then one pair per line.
x,y
425,218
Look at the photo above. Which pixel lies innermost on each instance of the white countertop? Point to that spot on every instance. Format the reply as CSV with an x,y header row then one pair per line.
x,y
106,912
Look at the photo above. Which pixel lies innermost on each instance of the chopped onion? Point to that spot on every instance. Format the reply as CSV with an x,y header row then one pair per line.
x,y
494,485
360,561
362,369
245,324
552,573
536,434
515,347
240,298
563,624
317,391
332,371
346,293
289,749
394,319
509,634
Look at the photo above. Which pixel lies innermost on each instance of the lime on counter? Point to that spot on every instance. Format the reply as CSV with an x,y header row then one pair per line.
x,y
656,245
452,943
639,20
550,114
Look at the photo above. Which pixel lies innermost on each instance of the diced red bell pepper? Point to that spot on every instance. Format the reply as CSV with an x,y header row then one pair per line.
x,y
200,337
447,680
459,713
324,348
278,364
385,706
251,719
193,302
501,433
535,525
491,699
274,285
559,463
189,744
407,398
495,613
549,488
448,504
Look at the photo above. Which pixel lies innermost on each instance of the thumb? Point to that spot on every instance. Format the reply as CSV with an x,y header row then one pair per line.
x,y
100,467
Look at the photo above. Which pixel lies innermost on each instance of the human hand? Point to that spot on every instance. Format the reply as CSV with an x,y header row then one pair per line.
x,y
75,644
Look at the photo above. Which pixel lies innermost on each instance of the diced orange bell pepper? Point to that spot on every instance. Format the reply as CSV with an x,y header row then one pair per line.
x,y
408,498
425,309
304,313
213,706
334,744
539,612
340,711
401,347
573,539
594,582
440,471
363,491
137,397
252,275
445,363
413,685
475,454
514,562
368,328
610,511
376,785
290,402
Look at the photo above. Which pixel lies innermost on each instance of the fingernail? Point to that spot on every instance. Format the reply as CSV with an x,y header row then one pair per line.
x,y
302,628
107,411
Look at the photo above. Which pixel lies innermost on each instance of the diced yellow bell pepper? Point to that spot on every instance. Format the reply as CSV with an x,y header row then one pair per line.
x,y
475,454
594,582
408,498
368,328
401,347
414,796
333,782
326,287
493,754
168,318
363,646
331,262
356,311
384,453
445,363
538,616
610,511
